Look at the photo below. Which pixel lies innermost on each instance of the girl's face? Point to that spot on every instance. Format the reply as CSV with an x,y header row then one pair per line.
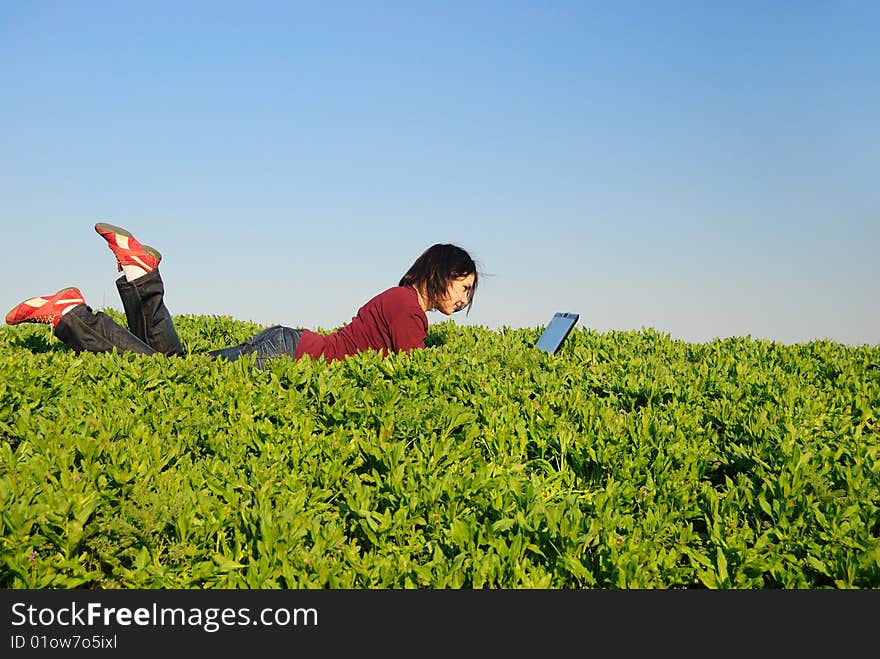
x,y
456,297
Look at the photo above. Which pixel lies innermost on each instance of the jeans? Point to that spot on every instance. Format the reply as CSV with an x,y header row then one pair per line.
x,y
276,341
151,329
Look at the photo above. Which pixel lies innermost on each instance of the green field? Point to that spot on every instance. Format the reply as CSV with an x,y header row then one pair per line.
x,y
628,460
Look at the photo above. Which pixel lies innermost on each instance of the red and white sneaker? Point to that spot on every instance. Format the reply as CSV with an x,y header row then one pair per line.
x,y
45,309
127,249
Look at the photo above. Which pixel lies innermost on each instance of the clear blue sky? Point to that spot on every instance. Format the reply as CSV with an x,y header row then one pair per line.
x,y
706,169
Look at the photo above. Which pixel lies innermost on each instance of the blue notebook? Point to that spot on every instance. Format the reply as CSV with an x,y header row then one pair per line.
x,y
557,331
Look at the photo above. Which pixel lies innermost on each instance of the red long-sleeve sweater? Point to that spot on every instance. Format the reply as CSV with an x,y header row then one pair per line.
x,y
392,321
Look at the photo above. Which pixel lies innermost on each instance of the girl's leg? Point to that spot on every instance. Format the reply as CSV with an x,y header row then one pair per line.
x,y
73,322
277,341
148,318
141,289
87,331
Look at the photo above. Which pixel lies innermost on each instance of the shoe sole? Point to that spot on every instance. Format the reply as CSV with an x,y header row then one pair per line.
x,y
103,227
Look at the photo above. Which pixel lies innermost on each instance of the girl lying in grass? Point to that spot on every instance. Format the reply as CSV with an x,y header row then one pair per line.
x,y
443,278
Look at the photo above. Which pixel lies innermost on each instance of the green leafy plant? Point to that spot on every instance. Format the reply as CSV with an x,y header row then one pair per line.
x,y
627,460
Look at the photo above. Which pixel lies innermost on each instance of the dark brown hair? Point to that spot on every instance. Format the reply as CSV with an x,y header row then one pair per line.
x,y
436,268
